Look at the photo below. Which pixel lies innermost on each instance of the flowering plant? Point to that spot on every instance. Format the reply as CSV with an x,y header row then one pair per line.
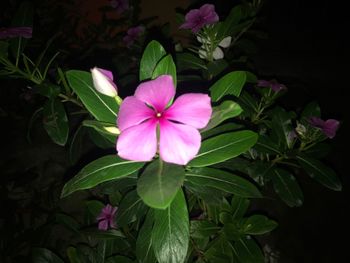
x,y
177,174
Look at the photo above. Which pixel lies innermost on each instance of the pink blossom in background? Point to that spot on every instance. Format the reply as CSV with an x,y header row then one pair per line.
x,y
120,5
12,32
133,34
103,81
328,127
273,84
106,219
198,18
141,115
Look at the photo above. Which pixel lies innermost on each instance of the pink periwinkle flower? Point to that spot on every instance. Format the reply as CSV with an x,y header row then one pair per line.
x,y
198,18
273,84
11,32
133,34
119,5
328,127
103,81
149,125
106,219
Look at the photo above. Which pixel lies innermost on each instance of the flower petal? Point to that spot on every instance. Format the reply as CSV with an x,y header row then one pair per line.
x,y
157,93
103,225
138,143
103,82
192,109
218,53
316,122
330,128
207,11
132,112
178,143
226,42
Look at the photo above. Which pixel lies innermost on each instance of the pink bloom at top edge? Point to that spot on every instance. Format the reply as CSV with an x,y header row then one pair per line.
x,y
273,84
142,114
106,219
328,127
12,32
198,18
133,34
119,5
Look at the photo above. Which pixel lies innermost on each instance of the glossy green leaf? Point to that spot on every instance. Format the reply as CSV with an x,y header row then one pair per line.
x,y
224,128
214,68
102,107
258,225
239,206
247,250
219,251
43,255
222,180
130,209
107,130
55,121
210,195
48,90
153,53
266,145
230,84
170,234
287,188
144,249
281,127
320,172
223,147
189,61
100,140
166,66
159,183
227,109
101,170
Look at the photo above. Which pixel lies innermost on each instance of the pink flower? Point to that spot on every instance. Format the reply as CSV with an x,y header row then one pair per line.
x,y
133,34
119,5
272,84
103,81
12,32
106,218
148,124
328,127
198,18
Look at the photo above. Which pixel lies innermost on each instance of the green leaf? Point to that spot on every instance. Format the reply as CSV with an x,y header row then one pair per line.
x,y
102,107
77,145
67,221
101,170
223,147
230,22
94,208
311,110
159,183
102,234
72,255
48,90
100,140
130,209
239,206
144,250
287,187
227,109
281,127
222,180
215,68
320,172
203,228
166,66
43,255
150,58
107,130
266,145
119,259
230,84
246,250
189,61
224,128
55,121
219,251
208,194
170,235
258,225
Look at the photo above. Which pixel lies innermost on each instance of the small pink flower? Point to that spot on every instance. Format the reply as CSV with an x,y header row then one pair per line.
x,y
328,127
198,18
273,84
12,32
106,218
147,113
119,5
133,34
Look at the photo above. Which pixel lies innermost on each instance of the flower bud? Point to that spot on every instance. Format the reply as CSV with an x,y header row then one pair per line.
x,y
103,82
